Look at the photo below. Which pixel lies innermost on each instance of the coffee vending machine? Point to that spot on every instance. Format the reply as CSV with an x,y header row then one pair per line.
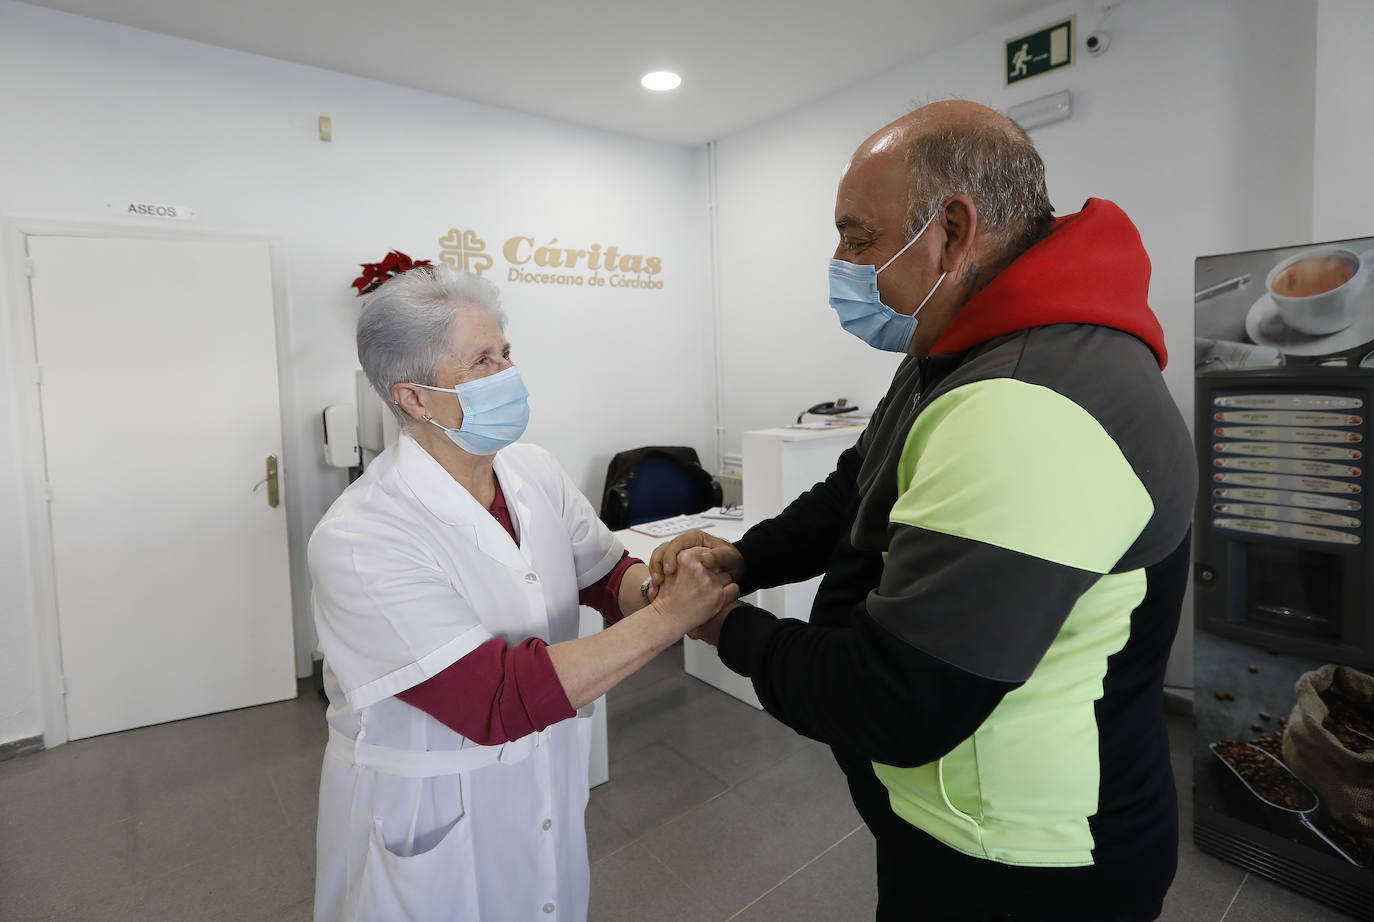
x,y
1283,576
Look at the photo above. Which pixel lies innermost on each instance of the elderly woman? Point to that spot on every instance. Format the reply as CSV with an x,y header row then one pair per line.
x,y
446,586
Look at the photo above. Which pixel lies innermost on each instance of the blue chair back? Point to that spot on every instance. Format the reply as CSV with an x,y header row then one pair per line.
x,y
656,482
663,488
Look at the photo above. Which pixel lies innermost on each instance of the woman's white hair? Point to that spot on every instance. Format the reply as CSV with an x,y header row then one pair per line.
x,y
403,329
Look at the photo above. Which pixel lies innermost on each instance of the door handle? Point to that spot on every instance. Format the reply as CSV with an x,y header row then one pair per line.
x,y
272,496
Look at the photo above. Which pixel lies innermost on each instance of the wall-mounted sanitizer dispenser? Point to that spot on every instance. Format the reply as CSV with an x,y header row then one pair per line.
x,y
356,434
341,436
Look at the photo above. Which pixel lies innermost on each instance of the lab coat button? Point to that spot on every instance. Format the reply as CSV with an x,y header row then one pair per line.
x,y
548,908
548,824
531,578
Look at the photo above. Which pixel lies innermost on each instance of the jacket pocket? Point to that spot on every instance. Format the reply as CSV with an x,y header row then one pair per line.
x,y
439,883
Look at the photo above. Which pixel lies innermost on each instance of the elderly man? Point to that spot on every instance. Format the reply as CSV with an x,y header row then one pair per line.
x,y
1004,550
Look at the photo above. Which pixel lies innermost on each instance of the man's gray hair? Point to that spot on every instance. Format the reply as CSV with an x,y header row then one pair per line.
x,y
403,329
997,167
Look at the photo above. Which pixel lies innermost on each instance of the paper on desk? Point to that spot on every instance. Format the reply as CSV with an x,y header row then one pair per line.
x,y
837,422
665,528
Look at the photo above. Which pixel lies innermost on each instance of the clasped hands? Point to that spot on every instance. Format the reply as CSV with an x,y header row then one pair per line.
x,y
695,560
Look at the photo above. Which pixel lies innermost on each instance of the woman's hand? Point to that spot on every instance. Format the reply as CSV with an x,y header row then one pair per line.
x,y
722,555
694,589
690,595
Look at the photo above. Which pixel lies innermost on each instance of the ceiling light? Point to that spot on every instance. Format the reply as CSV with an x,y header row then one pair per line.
x,y
661,80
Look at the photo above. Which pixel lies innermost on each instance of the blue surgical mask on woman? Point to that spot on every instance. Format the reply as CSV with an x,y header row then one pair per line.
x,y
854,296
496,410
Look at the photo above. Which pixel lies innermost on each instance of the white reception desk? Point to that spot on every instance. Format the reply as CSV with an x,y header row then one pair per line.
x,y
779,465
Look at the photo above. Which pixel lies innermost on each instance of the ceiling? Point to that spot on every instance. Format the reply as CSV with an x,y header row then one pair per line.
x,y
741,61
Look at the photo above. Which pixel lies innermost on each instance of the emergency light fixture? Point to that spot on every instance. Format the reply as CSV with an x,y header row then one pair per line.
x,y
1043,111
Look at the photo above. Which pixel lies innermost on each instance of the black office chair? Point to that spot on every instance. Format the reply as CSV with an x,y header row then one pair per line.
x,y
656,482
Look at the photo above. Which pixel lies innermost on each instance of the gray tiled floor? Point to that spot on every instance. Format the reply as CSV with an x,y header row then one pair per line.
x,y
715,812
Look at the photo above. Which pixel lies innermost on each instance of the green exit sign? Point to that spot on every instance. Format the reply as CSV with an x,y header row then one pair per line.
x,y
1039,52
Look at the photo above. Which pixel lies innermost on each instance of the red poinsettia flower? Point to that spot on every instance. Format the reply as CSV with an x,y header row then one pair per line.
x,y
374,274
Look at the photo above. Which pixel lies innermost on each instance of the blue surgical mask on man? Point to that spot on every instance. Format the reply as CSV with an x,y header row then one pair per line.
x,y
496,410
854,296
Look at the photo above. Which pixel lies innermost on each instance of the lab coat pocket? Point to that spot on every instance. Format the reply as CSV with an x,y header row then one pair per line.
x,y
437,884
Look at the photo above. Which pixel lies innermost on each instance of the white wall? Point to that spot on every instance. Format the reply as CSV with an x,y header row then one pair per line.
x,y
1343,183
1198,121
95,113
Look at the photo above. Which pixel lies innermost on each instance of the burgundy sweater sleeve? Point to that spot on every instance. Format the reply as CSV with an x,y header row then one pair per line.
x,y
495,694
604,594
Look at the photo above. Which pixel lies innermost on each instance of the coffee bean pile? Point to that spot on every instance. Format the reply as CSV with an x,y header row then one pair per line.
x,y
1271,743
1352,723
1267,778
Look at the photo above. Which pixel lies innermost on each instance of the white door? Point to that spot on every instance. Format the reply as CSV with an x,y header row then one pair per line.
x,y
160,408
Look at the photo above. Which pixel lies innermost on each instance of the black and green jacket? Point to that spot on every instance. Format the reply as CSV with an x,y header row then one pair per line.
x,y
1005,552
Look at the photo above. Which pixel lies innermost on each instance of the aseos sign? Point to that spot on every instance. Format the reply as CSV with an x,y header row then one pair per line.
x,y
152,210
552,263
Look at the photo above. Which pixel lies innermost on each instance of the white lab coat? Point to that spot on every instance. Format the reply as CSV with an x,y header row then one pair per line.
x,y
410,574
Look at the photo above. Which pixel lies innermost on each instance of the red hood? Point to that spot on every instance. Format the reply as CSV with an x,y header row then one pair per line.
x,y
1092,268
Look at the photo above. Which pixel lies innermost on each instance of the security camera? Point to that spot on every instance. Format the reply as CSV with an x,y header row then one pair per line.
x,y
1097,42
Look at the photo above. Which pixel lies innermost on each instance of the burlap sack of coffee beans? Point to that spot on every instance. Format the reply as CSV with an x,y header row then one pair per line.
x,y
1341,774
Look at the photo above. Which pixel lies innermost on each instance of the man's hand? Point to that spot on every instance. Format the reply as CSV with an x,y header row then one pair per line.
x,y
720,554
710,631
